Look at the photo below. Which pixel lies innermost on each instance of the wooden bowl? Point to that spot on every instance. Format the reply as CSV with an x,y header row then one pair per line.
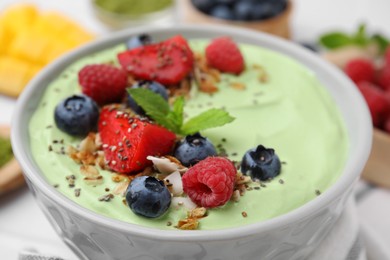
x,y
11,176
278,25
377,170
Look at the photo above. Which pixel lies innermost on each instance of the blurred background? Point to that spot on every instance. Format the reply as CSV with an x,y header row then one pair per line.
x,y
34,33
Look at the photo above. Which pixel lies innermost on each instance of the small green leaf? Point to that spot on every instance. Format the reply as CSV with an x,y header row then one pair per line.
x,y
360,37
381,41
178,110
335,40
208,119
158,109
149,100
154,106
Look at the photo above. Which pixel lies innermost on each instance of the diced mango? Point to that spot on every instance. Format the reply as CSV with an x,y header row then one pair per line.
x,y
19,17
29,46
5,38
33,71
77,37
51,23
54,51
29,40
13,75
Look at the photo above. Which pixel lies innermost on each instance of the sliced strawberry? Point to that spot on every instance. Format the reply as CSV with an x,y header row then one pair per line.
x,y
167,62
127,140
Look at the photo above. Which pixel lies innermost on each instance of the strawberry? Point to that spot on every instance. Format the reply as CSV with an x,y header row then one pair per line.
x,y
383,79
167,62
377,102
223,54
128,140
360,70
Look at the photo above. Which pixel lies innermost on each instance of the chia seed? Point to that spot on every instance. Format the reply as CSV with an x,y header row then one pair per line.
x,y
77,192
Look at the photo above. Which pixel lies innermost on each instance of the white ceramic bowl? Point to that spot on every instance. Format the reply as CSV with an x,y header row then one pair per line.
x,y
291,236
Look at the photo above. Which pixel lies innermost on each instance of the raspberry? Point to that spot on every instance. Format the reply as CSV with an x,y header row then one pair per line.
x,y
210,182
360,70
223,54
383,79
103,83
377,102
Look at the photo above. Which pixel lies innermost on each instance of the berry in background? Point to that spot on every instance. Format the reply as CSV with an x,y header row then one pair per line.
x,y
360,70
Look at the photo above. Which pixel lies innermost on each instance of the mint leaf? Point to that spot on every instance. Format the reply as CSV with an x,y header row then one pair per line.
x,y
177,113
149,101
208,119
381,41
335,40
158,109
360,37
154,106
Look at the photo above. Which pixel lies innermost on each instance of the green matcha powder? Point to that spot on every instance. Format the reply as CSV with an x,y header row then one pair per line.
x,y
5,151
133,7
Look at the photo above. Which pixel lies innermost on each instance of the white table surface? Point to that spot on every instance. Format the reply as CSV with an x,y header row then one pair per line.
x,y
23,225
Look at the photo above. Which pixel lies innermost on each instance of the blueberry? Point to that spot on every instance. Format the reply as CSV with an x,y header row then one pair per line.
x,y
148,197
153,86
203,5
262,11
222,12
261,163
225,2
77,115
243,11
139,40
194,148
267,9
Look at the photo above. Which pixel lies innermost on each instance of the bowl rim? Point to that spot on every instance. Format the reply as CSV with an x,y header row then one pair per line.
x,y
351,172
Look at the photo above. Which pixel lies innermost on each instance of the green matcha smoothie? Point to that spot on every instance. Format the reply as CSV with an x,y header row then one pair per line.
x,y
290,112
133,7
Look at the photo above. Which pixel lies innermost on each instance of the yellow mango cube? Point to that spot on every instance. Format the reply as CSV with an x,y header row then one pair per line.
x,y
13,75
19,17
30,46
54,51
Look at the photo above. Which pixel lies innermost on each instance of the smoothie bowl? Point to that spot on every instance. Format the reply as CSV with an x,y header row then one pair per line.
x,y
283,138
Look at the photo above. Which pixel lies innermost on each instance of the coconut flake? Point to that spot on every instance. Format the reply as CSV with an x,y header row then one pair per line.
x,y
163,165
177,185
